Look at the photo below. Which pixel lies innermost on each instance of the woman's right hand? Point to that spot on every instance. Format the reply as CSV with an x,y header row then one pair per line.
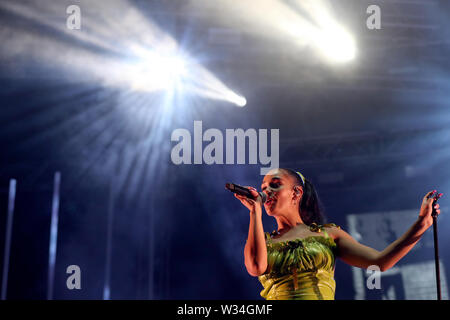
x,y
252,205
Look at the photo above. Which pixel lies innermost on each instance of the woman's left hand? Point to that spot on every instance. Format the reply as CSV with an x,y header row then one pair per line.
x,y
426,209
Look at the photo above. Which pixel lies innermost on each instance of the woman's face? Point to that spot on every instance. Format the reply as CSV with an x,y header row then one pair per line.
x,y
279,188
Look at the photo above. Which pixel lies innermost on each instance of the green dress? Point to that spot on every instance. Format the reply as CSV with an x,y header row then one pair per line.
x,y
300,269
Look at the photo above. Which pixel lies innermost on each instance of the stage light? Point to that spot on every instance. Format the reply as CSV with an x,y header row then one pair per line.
x,y
155,70
237,99
137,57
336,44
166,71
329,36
305,23
241,101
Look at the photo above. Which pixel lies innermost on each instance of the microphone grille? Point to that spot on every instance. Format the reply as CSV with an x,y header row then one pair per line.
x,y
263,196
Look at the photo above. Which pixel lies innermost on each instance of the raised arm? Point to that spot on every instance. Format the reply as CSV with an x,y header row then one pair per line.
x,y
359,255
255,251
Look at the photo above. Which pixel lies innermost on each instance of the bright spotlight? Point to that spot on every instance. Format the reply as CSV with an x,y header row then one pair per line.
x,y
164,70
308,23
154,72
236,99
241,101
336,44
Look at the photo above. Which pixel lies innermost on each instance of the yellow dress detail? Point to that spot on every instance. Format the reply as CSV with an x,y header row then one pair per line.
x,y
300,269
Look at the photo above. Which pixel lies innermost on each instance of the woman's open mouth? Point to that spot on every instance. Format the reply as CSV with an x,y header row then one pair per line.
x,y
270,202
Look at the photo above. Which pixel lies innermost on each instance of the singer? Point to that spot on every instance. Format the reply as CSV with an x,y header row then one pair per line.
x,y
297,261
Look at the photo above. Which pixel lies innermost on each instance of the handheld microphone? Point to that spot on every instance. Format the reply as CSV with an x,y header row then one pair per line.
x,y
243,191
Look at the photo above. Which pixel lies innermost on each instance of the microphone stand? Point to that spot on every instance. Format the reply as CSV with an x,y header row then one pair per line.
x,y
436,248
436,252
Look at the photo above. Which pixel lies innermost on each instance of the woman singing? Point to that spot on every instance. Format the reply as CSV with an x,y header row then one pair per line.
x,y
297,261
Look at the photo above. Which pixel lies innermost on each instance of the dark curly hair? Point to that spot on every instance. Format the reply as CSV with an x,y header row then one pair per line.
x,y
311,208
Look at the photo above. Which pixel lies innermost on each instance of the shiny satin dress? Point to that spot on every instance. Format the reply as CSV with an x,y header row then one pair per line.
x,y
300,269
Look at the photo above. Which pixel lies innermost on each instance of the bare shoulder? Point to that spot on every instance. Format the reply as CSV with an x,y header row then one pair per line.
x,y
334,231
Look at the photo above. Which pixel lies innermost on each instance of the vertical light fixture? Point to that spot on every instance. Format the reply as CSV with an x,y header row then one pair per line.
x,y
111,205
53,236
11,200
